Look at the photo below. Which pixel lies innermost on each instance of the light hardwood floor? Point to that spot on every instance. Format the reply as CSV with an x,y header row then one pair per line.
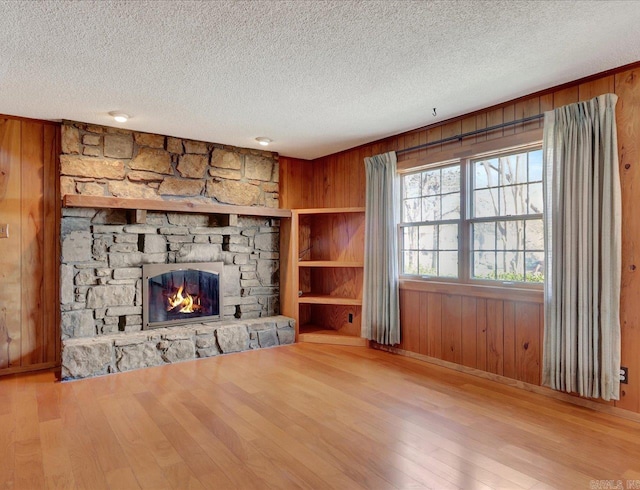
x,y
302,416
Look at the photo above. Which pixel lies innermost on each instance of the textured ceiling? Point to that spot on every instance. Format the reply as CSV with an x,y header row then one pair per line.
x,y
315,76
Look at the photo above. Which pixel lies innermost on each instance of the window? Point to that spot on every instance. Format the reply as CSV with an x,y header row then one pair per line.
x,y
477,219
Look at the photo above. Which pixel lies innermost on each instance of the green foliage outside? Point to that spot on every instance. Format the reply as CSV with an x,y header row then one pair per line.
x,y
536,277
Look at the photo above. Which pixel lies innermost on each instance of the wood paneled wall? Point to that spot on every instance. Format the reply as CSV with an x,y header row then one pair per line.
x,y
339,180
29,204
494,335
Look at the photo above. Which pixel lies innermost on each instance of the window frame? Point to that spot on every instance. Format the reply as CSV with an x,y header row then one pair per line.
x,y
465,221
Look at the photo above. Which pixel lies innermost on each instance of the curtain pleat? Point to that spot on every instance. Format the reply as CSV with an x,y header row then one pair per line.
x,y
380,303
583,221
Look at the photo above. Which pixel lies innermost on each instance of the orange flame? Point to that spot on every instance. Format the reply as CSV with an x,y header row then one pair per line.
x,y
187,304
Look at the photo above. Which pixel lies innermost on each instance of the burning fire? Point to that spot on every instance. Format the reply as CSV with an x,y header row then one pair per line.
x,y
187,304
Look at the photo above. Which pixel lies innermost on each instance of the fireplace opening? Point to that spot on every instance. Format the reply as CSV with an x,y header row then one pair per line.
x,y
173,294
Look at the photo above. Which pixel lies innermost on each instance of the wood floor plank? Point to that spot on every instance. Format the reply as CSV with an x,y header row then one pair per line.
x,y
303,416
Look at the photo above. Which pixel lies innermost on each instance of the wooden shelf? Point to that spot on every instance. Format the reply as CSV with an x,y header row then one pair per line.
x,y
329,263
325,299
318,335
77,201
329,210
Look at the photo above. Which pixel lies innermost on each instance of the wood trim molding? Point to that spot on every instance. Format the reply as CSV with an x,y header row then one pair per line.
x,y
541,390
78,201
55,366
474,290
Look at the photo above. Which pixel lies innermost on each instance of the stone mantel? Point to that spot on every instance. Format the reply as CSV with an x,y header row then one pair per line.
x,y
105,202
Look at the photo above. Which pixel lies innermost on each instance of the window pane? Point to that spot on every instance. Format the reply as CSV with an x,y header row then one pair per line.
x,y
510,235
448,264
411,210
513,169
534,262
514,200
486,203
534,235
431,182
535,166
486,173
451,179
428,264
448,237
484,236
451,206
484,265
431,208
510,266
428,238
410,238
535,198
410,263
411,185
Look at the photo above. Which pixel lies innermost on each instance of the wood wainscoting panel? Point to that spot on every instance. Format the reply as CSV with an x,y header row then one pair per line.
x,y
32,238
29,257
498,336
11,247
627,87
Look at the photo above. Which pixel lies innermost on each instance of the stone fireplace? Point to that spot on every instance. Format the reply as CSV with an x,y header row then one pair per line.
x,y
108,255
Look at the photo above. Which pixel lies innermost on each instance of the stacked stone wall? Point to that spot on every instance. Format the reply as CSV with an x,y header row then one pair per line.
x,y
104,161
102,258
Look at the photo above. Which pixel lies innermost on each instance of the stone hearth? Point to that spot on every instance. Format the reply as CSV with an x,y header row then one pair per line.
x,y
86,357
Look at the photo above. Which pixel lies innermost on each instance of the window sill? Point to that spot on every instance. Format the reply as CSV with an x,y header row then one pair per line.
x,y
475,290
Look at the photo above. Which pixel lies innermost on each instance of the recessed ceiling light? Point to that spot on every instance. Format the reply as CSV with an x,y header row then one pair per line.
x,y
120,117
263,140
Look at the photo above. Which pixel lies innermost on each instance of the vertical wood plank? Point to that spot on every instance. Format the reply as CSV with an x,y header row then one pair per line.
x,y
32,217
467,125
508,115
452,328
481,123
453,128
423,140
527,342
424,331
10,248
469,335
359,177
481,334
509,339
565,96
495,334
527,108
341,181
494,118
599,86
434,325
51,218
627,87
434,134
546,104
410,320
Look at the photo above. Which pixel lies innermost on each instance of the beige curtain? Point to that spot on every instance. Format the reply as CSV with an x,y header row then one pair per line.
x,y
583,249
380,304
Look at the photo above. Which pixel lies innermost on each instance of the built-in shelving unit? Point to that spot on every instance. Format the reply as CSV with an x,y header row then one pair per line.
x,y
323,274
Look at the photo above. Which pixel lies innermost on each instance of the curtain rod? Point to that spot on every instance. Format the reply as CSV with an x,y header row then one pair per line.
x,y
471,133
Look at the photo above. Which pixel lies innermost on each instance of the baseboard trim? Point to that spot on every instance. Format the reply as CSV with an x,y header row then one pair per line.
x,y
541,390
28,369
